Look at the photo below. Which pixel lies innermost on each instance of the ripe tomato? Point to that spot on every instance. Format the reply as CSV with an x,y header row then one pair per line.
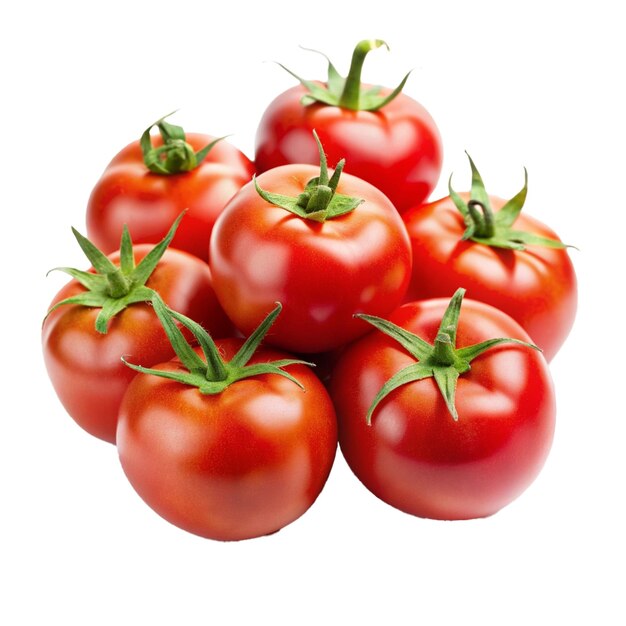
x,y
415,455
322,272
85,365
233,463
148,202
397,147
535,285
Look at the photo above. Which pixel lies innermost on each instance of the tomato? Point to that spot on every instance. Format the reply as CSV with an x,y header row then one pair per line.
x,y
85,365
414,455
130,193
396,147
323,272
233,463
536,284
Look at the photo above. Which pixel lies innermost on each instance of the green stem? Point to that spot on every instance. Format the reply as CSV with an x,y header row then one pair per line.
x,y
483,219
118,284
320,199
443,351
350,96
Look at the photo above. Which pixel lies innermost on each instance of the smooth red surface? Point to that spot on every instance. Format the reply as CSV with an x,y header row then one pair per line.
x,y
397,149
322,273
85,366
414,456
536,286
236,465
129,193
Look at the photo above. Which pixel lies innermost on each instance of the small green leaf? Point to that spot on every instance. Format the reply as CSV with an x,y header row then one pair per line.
x,y
527,239
87,298
334,81
148,264
413,344
201,154
98,259
127,258
507,215
187,355
450,320
471,352
446,379
89,280
409,374
478,191
254,340
216,369
373,102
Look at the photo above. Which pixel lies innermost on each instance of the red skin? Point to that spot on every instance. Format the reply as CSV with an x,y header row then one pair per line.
x,y
322,273
235,465
85,366
129,193
414,456
397,149
536,286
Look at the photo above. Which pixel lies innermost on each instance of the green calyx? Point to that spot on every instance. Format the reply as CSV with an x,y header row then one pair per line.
x,y
348,92
212,374
496,229
319,200
442,361
175,155
110,287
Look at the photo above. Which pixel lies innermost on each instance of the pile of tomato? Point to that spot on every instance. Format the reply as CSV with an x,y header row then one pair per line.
x,y
241,319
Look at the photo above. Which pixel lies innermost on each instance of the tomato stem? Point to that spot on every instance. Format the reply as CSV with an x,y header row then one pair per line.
x,y
488,228
319,200
350,96
442,360
443,350
175,156
349,92
482,215
212,375
118,285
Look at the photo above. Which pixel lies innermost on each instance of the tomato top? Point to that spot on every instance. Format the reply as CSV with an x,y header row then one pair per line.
x,y
147,200
387,138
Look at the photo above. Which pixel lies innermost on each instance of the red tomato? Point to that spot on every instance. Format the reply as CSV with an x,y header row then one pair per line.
x,y
322,272
414,455
129,193
235,465
397,148
85,366
535,286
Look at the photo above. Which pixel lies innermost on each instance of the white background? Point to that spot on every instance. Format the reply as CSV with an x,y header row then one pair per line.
x,y
538,84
